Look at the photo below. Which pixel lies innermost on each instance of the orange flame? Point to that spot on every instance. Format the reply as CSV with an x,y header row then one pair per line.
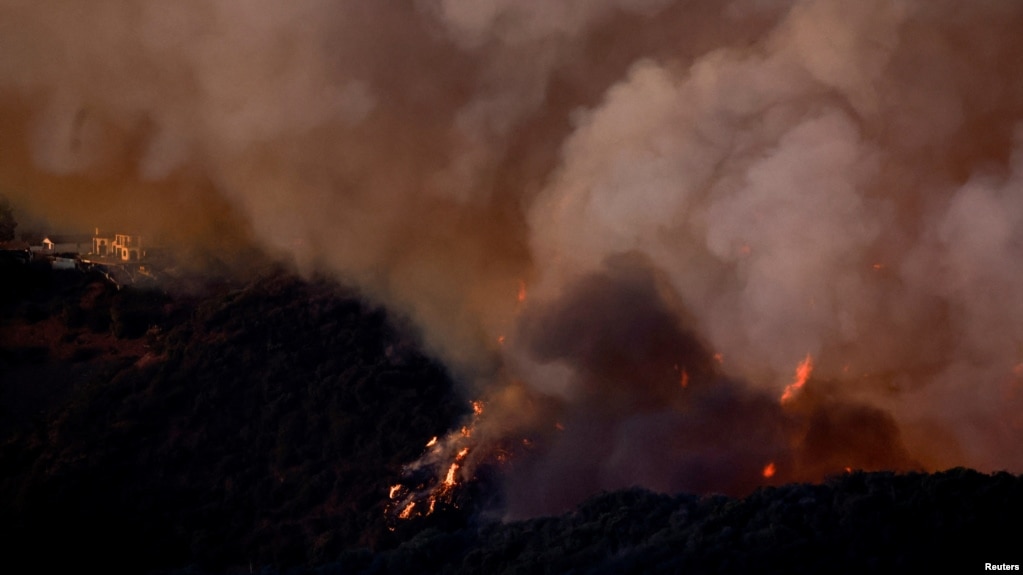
x,y
769,470
803,371
407,512
421,500
450,479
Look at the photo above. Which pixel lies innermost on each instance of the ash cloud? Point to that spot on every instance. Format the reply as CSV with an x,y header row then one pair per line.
x,y
670,181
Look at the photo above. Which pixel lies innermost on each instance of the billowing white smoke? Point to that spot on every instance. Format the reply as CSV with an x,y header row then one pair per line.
x,y
842,179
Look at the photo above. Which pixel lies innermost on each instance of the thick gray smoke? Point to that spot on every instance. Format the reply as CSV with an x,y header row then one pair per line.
x,y
586,204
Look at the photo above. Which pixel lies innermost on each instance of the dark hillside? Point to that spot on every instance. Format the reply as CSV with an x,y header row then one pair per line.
x,y
260,426
953,521
264,427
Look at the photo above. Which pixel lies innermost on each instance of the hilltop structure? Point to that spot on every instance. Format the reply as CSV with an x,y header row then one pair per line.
x,y
125,247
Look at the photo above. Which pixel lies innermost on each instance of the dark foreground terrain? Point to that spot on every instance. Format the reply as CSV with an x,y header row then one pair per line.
x,y
257,426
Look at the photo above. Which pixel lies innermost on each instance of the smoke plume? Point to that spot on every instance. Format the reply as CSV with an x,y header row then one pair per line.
x,y
621,223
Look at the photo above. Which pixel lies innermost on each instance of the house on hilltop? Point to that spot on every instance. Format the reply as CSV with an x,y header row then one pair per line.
x,y
124,247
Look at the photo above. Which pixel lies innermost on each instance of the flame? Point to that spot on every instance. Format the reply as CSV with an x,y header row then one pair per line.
x,y
407,511
769,470
803,371
449,481
432,479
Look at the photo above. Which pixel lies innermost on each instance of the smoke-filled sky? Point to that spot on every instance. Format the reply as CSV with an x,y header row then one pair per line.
x,y
695,191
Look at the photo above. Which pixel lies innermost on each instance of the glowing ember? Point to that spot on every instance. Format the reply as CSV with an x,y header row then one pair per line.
x,y
394,490
719,357
477,407
521,296
769,470
684,379
432,442
803,371
500,340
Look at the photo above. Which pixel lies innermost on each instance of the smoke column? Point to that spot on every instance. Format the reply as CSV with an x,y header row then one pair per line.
x,y
623,223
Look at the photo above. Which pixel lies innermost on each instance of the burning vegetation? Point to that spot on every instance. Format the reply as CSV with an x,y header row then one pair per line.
x,y
283,401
